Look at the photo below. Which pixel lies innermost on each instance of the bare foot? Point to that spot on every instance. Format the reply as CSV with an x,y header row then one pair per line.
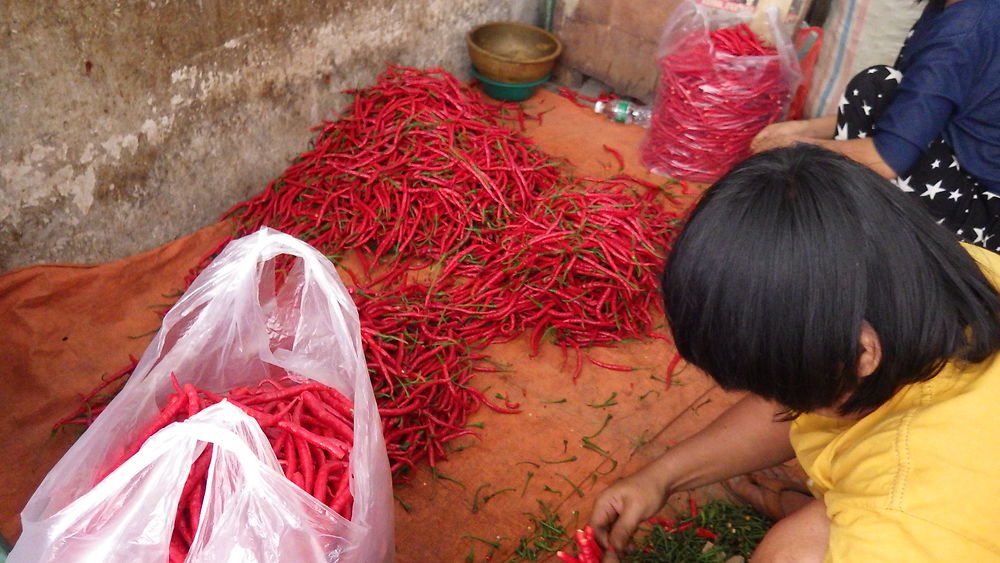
x,y
770,491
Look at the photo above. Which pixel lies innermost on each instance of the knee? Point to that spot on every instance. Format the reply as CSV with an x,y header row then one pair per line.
x,y
875,79
786,549
801,537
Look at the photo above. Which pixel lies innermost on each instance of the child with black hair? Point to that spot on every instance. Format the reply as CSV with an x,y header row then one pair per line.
x,y
865,337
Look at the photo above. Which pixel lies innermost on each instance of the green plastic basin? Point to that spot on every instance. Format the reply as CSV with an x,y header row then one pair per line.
x,y
507,91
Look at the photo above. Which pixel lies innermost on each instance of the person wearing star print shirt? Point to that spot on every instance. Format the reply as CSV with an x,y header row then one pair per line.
x,y
931,122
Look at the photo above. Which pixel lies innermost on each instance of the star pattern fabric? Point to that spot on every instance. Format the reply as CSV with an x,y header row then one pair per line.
x,y
903,183
933,190
956,200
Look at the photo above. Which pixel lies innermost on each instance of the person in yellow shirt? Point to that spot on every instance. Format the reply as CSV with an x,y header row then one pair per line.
x,y
865,336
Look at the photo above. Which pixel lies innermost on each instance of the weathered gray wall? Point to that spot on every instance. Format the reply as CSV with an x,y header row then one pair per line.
x,y
126,124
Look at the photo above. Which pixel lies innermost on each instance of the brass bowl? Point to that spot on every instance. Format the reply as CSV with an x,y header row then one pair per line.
x,y
512,52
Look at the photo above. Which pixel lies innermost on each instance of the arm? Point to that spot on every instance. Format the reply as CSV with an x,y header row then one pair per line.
x,y
820,131
859,150
744,438
776,134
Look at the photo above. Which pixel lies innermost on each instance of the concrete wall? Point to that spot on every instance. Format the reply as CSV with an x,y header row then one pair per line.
x,y
126,124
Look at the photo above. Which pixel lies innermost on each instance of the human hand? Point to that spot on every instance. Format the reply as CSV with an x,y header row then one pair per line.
x,y
777,135
620,509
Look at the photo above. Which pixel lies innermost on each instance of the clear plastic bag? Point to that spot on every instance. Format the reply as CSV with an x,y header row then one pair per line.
x,y
234,327
709,103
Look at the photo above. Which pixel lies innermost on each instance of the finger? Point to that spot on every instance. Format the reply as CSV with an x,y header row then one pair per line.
x,y
623,529
769,143
603,515
601,535
767,130
760,140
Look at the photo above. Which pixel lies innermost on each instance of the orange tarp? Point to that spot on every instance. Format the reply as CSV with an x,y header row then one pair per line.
x,y
67,325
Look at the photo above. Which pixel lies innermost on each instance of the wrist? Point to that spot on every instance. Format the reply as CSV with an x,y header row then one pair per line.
x,y
667,474
823,127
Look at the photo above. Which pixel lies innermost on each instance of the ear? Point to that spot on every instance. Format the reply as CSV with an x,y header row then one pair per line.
x,y
871,350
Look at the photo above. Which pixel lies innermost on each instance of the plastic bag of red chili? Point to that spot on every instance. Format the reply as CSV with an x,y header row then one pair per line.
x,y
249,510
283,348
720,84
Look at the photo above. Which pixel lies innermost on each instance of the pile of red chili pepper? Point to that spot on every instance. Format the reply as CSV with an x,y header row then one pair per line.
x,y
467,234
309,425
714,96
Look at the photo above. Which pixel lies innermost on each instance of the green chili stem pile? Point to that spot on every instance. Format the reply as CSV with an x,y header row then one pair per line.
x,y
711,533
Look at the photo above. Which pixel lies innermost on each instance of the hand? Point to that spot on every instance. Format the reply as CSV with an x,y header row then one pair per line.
x,y
777,135
620,509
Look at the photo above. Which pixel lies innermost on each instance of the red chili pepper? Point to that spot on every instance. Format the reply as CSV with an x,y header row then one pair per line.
x,y
617,155
586,544
337,448
173,408
87,411
606,365
341,496
326,415
574,96
706,533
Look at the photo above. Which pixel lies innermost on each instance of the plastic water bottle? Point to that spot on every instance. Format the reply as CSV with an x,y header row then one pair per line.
x,y
624,111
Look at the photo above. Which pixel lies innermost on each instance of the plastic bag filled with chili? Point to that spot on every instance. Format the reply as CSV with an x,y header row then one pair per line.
x,y
238,324
720,84
250,509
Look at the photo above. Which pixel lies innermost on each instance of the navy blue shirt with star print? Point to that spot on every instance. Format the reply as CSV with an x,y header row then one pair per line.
x,y
949,85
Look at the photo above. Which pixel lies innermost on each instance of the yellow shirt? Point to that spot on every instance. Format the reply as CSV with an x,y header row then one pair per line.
x,y
918,479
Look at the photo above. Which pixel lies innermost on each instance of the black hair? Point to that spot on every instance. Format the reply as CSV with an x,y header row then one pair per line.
x,y
784,258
